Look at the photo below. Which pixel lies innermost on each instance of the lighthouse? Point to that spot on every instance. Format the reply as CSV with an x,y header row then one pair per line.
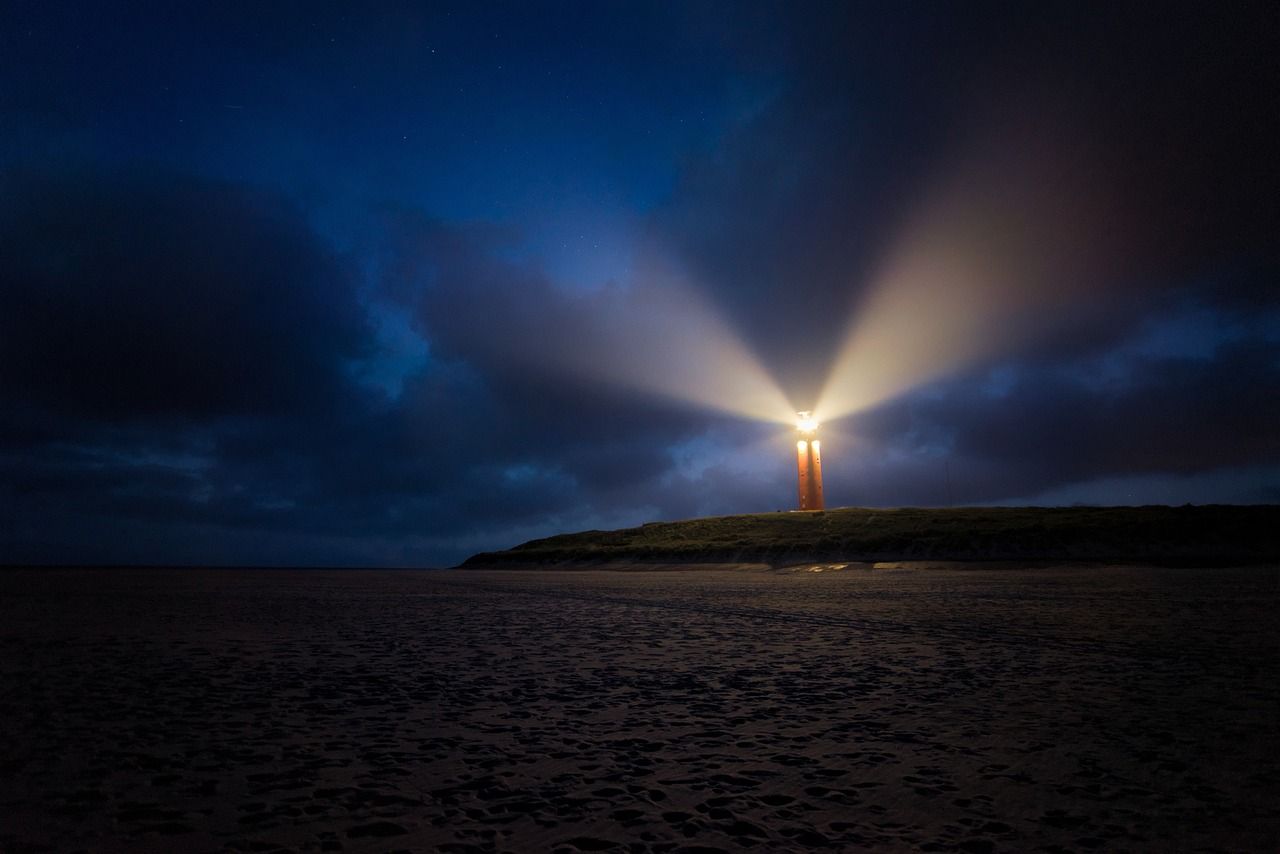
x,y
809,462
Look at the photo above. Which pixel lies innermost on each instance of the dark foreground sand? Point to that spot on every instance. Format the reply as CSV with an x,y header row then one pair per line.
x,y
977,710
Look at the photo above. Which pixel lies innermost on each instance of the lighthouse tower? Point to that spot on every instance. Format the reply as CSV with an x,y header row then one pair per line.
x,y
809,462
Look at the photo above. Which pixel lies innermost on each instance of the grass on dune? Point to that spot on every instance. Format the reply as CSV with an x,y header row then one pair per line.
x,y
1215,533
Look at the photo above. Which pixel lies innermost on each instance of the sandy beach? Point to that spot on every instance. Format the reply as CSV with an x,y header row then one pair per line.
x,y
1110,708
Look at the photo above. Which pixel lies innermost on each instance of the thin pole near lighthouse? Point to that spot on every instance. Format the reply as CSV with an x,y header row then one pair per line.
x,y
809,462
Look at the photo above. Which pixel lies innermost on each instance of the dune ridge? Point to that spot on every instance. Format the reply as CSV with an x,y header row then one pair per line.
x,y
1200,535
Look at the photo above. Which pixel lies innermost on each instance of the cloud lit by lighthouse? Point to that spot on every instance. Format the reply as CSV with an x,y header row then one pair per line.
x,y
266,291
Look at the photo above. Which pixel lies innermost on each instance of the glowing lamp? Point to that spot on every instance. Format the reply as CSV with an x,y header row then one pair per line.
x,y
809,462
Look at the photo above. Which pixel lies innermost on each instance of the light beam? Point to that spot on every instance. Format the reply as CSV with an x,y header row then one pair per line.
x,y
1009,247
662,337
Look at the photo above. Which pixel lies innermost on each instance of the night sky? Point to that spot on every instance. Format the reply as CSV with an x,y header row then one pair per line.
x,y
288,284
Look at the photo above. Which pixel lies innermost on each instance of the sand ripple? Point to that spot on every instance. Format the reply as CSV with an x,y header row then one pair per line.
x,y
705,711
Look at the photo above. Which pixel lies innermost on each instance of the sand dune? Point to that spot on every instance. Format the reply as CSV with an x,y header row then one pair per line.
x,y
1209,535
1047,709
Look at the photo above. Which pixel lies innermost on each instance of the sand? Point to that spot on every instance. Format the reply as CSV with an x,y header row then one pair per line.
x,y
928,709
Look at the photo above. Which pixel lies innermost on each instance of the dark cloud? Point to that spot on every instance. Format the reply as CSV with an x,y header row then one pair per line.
x,y
166,296
1048,426
181,352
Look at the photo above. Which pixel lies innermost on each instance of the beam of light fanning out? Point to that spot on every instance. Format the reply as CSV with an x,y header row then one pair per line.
x,y
691,354
659,337
1006,249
